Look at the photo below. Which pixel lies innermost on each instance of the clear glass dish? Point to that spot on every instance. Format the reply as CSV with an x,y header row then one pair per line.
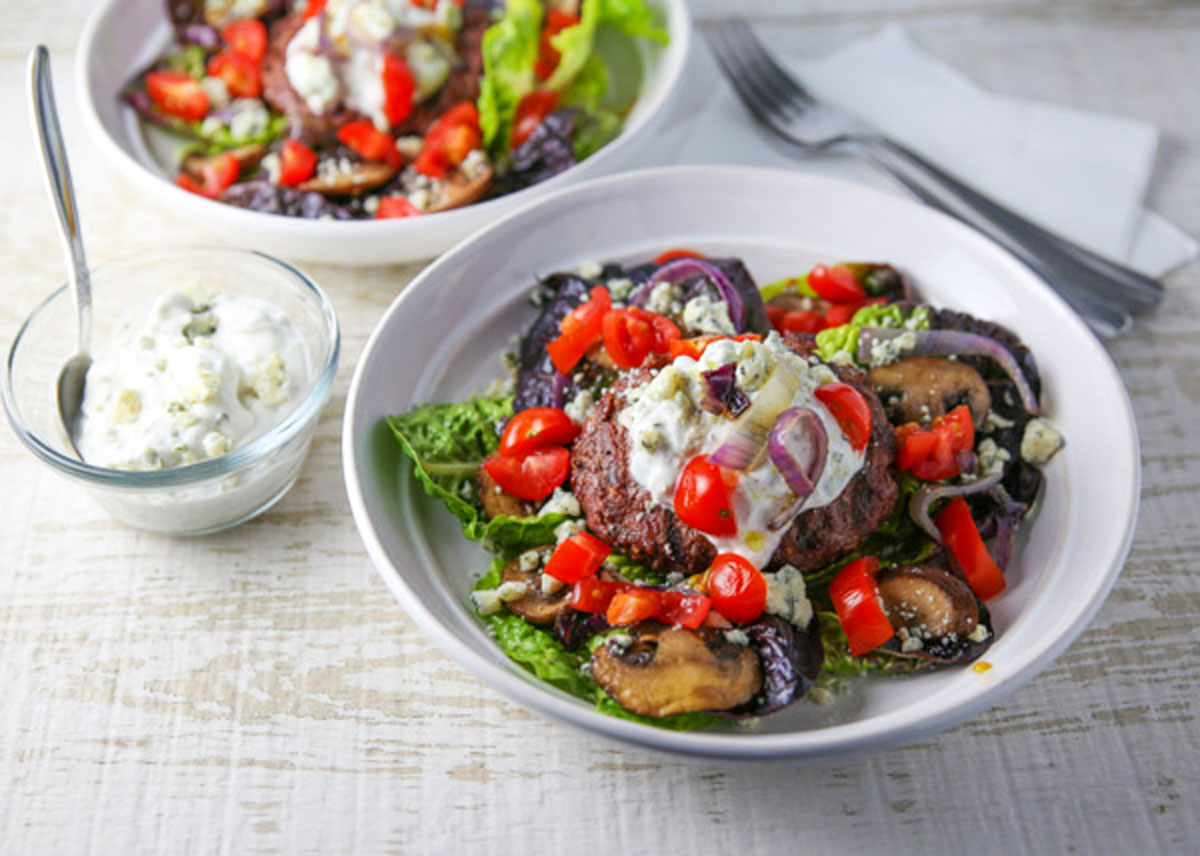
x,y
202,497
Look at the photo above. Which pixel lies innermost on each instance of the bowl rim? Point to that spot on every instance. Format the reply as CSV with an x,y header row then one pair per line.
x,y
878,731
276,437
298,228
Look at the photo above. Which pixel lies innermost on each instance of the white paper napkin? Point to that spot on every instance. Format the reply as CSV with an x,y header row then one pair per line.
x,y
1081,174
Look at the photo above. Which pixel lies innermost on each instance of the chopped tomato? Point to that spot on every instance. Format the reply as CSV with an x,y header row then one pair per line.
x,y
855,596
632,605
314,8
239,73
398,88
737,588
932,454
702,498
177,94
449,140
964,543
801,321
628,337
850,409
370,143
533,475
535,427
577,558
836,283
297,163
672,255
582,327
218,176
683,608
594,595
396,208
547,61
247,36
843,313
690,347
531,112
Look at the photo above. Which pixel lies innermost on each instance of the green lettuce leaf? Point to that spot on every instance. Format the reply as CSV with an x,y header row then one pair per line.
x,y
509,50
575,44
840,664
798,284
840,344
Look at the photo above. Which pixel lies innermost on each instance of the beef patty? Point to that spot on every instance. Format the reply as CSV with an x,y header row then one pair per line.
x,y
619,510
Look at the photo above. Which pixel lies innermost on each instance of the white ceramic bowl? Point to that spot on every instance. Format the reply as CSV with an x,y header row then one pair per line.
x,y
213,494
453,320
122,37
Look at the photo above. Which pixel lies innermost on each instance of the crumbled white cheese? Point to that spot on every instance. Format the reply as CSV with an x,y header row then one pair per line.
x,y
590,269
216,90
488,601
566,529
619,289
787,597
272,166
529,560
250,120
994,422
737,637
885,351
561,502
579,406
910,641
663,298
551,585
979,634
1039,442
702,314
311,74
992,458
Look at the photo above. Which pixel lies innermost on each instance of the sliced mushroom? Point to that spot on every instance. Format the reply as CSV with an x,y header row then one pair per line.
x,y
460,189
496,500
790,301
248,155
922,389
360,178
673,670
535,606
927,602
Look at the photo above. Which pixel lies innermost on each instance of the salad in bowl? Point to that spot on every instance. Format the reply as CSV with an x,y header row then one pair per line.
x,y
708,501
380,109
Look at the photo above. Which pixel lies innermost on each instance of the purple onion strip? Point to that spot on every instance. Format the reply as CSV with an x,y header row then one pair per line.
x,y
798,446
680,269
926,496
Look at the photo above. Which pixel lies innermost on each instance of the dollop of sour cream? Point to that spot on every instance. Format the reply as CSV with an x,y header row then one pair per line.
x,y
667,427
194,378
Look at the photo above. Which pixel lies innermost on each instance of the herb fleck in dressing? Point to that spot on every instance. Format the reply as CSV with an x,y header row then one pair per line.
x,y
200,376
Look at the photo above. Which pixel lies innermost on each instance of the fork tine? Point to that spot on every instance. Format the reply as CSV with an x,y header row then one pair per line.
x,y
760,99
768,69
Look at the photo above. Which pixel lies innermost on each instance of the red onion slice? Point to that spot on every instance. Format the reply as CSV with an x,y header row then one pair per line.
x,y
944,343
798,446
927,495
745,445
680,269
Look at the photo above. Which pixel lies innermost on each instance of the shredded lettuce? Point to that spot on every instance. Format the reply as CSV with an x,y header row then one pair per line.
x,y
509,50
840,664
799,284
446,444
840,344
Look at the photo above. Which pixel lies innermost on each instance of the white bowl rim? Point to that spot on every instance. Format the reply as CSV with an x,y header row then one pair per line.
x,y
866,735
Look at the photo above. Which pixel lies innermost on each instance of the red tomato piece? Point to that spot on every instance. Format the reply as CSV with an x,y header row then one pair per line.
x,y
246,36
836,283
933,454
535,427
672,255
581,329
683,608
913,445
594,595
449,140
577,558
702,498
801,321
737,588
218,176
632,606
841,313
665,332
690,347
177,94
850,409
396,208
533,475
239,73
962,539
398,88
314,8
547,60
531,112
855,596
297,163
370,143
628,337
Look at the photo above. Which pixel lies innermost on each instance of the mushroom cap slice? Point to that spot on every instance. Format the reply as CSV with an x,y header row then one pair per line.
x,y
674,670
928,601
922,389
360,178
535,606
496,500
459,189
247,155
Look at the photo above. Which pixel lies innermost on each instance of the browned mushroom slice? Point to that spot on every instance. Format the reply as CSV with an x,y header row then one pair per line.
x,y
928,602
459,189
673,670
359,178
535,606
496,500
248,155
791,301
922,389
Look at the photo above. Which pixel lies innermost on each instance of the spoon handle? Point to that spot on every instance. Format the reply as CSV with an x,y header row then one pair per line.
x,y
62,192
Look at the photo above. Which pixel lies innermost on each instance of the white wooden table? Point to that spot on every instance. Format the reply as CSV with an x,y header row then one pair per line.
x,y
260,690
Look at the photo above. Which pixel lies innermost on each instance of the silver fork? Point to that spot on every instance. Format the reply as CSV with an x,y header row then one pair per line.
x,y
1102,291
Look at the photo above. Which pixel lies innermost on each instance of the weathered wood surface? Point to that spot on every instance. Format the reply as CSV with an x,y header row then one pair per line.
x,y
260,691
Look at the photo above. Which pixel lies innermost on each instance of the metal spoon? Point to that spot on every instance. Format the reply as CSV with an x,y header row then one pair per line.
x,y
62,194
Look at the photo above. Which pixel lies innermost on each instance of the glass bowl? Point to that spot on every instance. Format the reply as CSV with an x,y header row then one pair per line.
x,y
198,498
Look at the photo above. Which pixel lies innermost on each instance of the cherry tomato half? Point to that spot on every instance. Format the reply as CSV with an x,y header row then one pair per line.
x,y
932,454
533,475
632,606
737,588
396,208
370,143
297,163
703,498
239,73
177,94
398,87
536,427
247,36
850,409
836,283
531,112
581,329
855,596
672,255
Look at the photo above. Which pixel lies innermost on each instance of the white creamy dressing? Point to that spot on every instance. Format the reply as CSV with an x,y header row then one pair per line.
x,y
196,377
667,427
355,29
